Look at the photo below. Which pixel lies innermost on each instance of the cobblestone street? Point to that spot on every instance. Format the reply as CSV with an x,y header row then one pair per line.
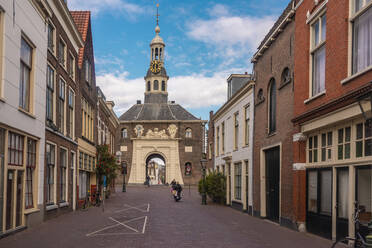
x,y
149,217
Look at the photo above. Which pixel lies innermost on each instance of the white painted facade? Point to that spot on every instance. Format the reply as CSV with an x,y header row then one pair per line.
x,y
232,155
23,19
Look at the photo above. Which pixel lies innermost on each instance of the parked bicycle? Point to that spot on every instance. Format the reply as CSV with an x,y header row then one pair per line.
x,y
86,204
359,241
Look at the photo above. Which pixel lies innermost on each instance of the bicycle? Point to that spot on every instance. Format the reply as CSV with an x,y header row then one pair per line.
x,y
86,204
359,241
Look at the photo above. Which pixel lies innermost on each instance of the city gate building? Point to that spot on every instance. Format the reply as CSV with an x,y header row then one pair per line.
x,y
160,129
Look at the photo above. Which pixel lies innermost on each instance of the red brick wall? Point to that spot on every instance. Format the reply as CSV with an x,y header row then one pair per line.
x,y
336,56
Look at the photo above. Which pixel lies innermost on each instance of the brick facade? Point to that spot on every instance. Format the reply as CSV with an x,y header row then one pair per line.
x,y
270,65
54,134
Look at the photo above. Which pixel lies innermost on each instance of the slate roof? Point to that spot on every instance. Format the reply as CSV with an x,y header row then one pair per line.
x,y
81,19
157,111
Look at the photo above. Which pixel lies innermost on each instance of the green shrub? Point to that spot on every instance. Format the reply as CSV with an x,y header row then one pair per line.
x,y
215,186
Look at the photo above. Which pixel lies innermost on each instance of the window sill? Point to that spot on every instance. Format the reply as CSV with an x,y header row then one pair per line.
x,y
348,79
31,211
271,134
26,113
315,97
51,207
64,204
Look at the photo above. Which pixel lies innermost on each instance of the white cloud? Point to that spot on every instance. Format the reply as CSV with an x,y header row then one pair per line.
x,y
230,37
219,10
96,6
194,91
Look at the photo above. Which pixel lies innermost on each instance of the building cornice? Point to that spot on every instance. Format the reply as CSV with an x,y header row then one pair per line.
x,y
60,8
334,104
235,98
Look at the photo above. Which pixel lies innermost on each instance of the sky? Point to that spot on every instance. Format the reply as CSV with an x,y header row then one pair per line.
x,y
206,41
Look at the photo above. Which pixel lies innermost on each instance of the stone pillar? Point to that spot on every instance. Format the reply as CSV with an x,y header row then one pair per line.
x,y
299,180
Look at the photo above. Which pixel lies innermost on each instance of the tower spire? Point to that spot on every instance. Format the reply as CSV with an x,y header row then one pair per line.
x,y
157,14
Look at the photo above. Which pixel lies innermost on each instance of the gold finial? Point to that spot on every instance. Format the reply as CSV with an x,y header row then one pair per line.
x,y
157,14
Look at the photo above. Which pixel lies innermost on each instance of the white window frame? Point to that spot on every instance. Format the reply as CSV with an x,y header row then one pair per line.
x,y
62,125
313,49
353,15
29,108
54,46
54,92
72,73
71,93
64,62
66,168
54,200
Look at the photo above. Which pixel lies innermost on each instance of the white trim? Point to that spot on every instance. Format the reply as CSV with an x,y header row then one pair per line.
x,y
348,79
316,12
314,97
299,166
299,137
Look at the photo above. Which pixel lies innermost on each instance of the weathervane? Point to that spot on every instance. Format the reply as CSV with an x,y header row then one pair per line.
x,y
157,14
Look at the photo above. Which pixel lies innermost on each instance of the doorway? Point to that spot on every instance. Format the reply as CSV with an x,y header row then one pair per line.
x,y
319,202
272,171
156,169
342,222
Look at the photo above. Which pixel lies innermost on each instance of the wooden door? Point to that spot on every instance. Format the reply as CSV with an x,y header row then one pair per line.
x,y
272,159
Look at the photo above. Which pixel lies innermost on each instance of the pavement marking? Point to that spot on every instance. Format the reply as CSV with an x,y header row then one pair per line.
x,y
118,223
144,225
129,207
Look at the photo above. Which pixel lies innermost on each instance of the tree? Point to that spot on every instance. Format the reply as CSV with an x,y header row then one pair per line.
x,y
106,165
215,186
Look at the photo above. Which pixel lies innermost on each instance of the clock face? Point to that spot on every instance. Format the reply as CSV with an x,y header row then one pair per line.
x,y
155,66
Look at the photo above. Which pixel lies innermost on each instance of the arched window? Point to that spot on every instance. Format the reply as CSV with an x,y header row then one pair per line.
x,y
156,53
163,85
188,169
272,106
260,95
156,85
152,54
148,86
160,54
286,76
188,133
124,133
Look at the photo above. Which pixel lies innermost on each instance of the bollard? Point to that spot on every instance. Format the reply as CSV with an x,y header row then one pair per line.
x,y
369,241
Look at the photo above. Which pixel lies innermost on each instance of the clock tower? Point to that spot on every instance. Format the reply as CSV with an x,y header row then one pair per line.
x,y
156,79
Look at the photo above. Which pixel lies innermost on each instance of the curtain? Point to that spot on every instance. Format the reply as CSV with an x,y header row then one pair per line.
x,y
326,192
343,192
319,71
362,56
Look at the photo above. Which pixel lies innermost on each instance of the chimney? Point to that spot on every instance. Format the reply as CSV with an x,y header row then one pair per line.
x,y
138,101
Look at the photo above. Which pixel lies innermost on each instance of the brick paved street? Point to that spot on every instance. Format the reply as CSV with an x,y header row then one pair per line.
x,y
164,222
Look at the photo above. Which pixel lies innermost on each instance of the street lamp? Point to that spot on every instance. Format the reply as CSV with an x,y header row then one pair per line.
x,y
124,171
204,193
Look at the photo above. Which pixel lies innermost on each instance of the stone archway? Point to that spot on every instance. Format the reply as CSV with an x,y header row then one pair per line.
x,y
156,169
144,148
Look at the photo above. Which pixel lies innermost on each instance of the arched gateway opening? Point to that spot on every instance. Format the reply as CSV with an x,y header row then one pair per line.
x,y
156,169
